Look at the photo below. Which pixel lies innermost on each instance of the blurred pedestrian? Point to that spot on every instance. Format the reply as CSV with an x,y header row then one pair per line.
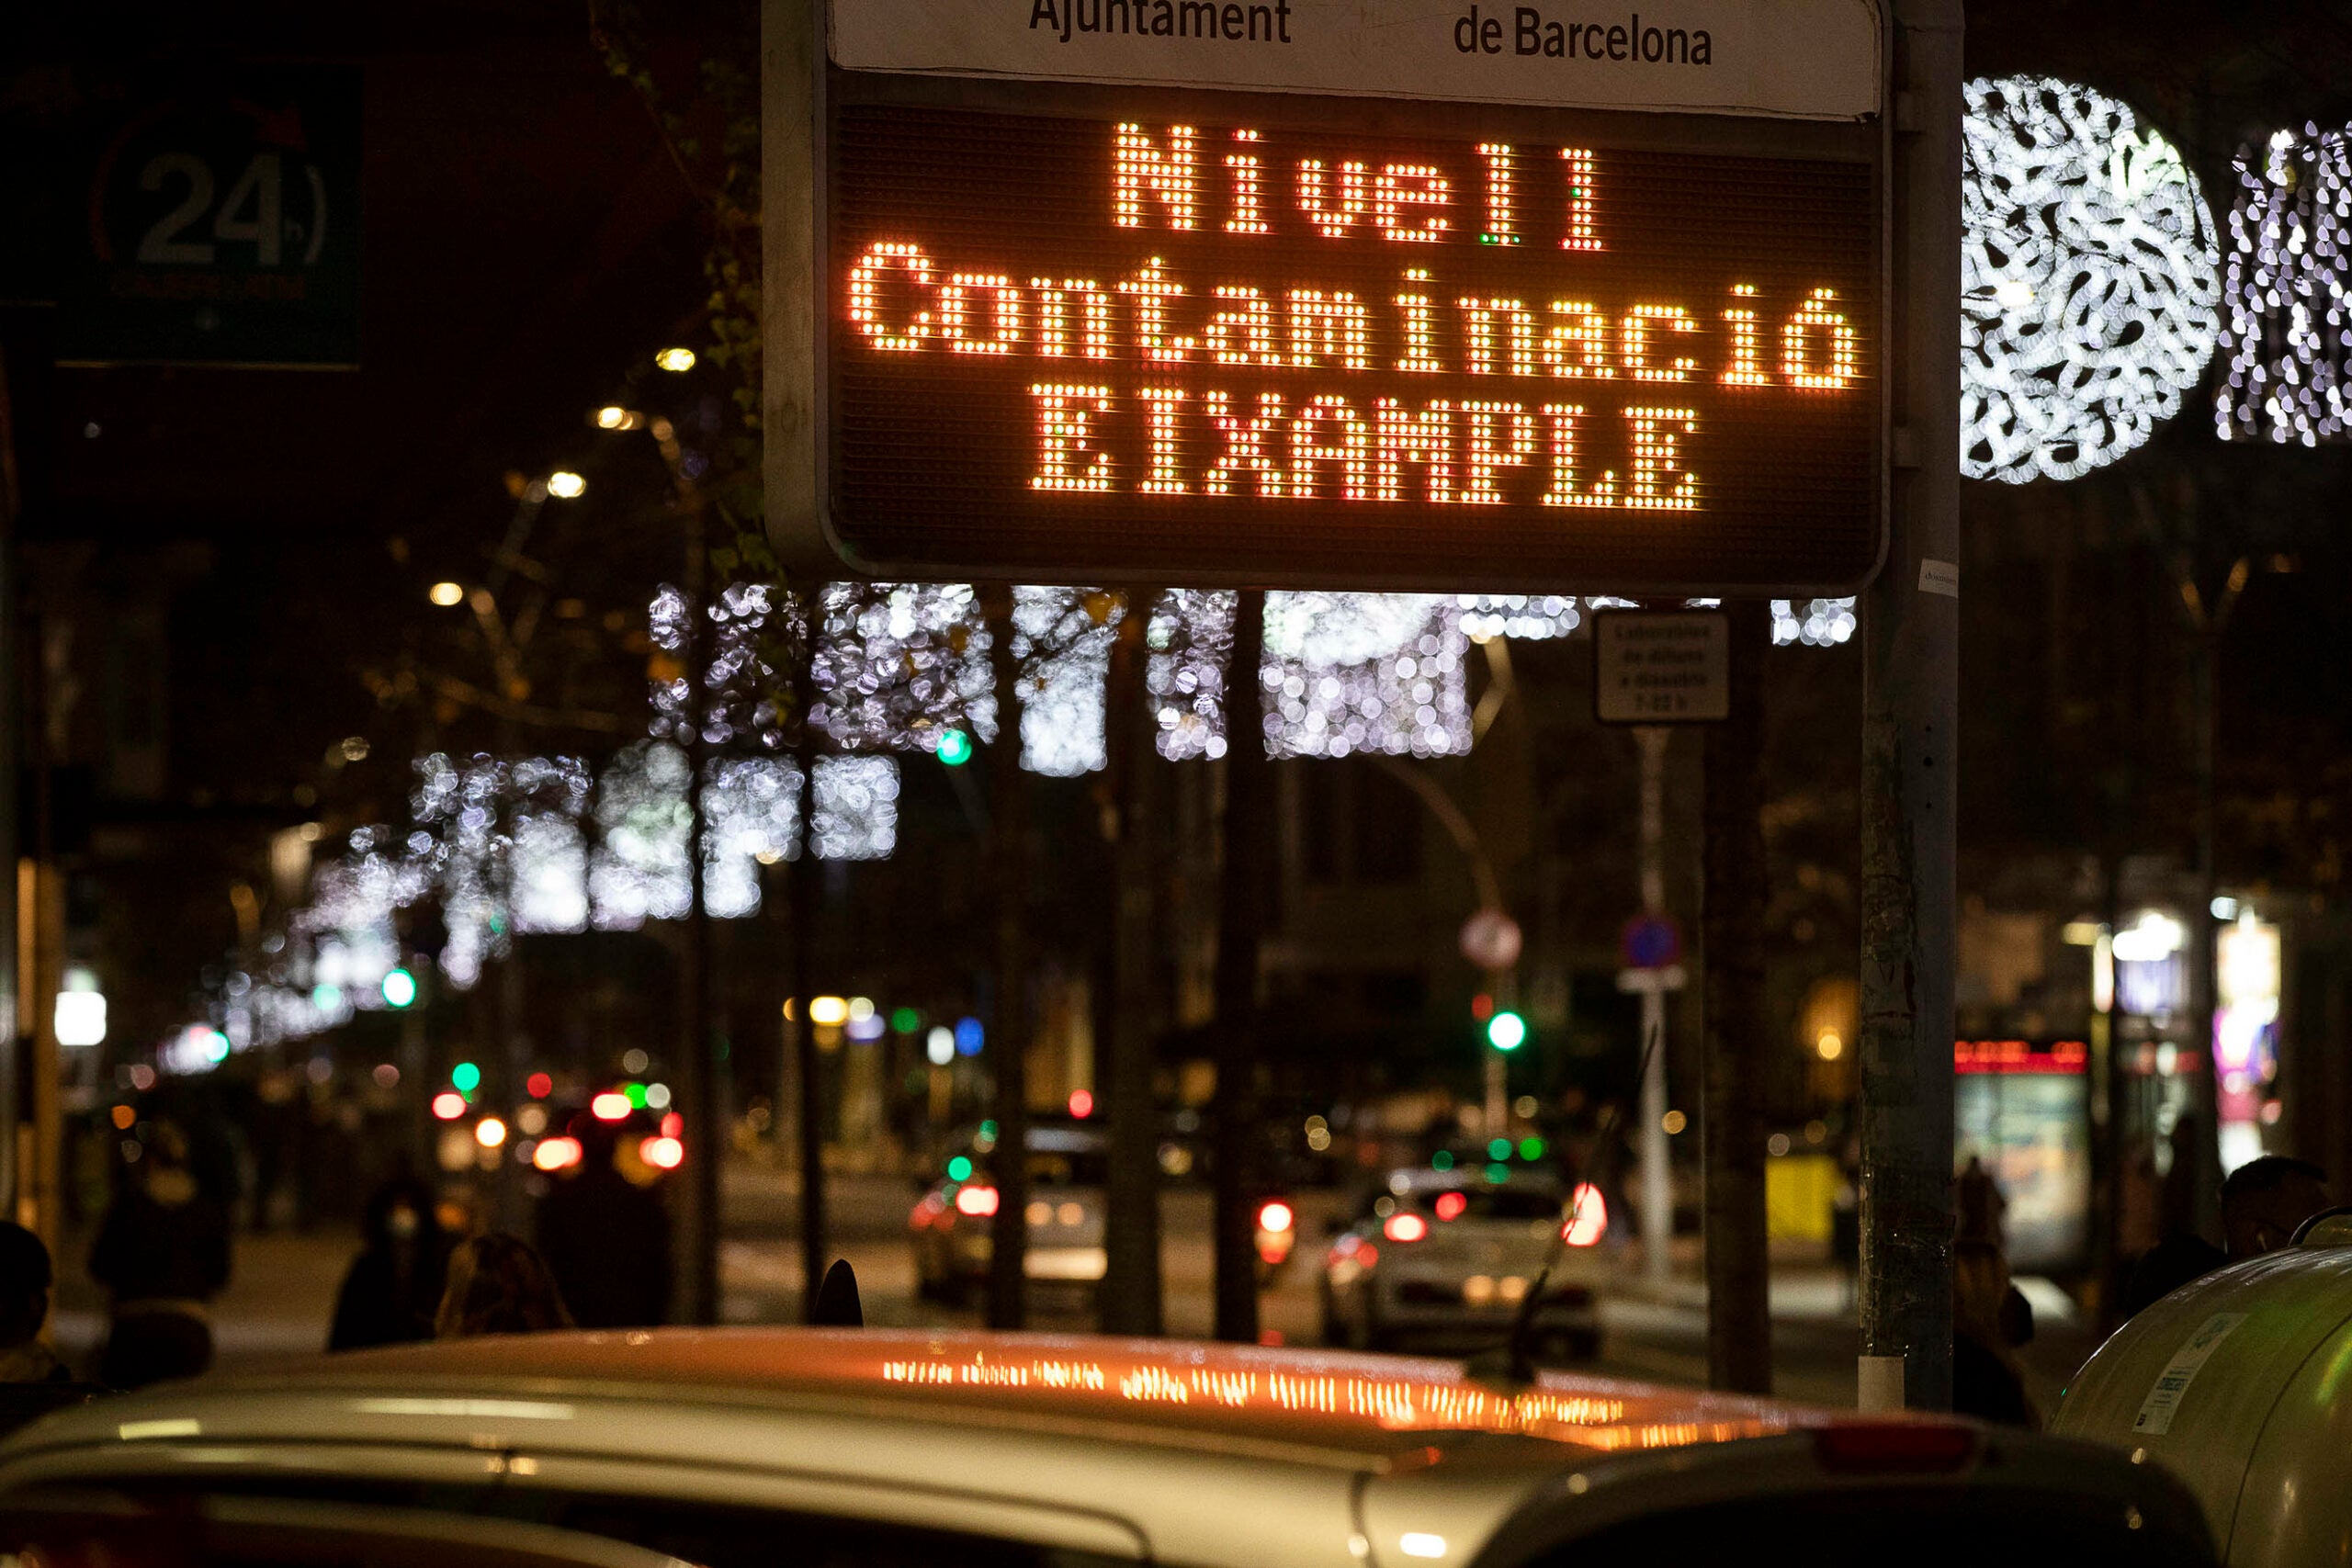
x,y
498,1285
25,1278
2262,1204
1981,1205
162,1254
394,1290
2265,1201
1987,1381
606,1239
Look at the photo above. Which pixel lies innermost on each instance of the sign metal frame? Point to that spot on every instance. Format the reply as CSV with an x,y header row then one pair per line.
x,y
800,480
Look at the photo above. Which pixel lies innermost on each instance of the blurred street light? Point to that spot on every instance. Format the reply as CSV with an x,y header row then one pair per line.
x,y
612,416
565,485
446,595
677,360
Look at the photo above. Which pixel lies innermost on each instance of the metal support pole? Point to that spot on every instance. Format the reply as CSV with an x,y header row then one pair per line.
x,y
2204,1181
1657,1169
15,653
1910,748
1739,1319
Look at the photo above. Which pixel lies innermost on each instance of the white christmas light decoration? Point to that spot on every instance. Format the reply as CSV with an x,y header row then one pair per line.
x,y
547,856
2287,319
1813,623
898,663
2088,278
1191,639
1062,638
1349,672
857,808
1528,616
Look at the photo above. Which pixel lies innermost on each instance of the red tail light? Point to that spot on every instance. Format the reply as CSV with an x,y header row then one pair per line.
x,y
1451,1204
1405,1226
1893,1445
977,1202
1587,1216
1276,1216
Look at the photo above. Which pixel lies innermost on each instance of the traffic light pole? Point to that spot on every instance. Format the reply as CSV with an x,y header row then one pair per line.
x,y
1910,745
1658,1171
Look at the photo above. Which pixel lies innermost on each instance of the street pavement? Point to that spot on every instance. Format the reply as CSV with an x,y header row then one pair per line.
x,y
281,1296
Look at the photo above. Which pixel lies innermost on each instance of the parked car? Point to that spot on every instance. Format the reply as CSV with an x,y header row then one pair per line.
x,y
744,1448
953,1224
2238,1384
1453,1253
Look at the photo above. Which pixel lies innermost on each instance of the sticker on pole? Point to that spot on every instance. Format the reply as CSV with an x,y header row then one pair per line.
x,y
1661,666
2163,1400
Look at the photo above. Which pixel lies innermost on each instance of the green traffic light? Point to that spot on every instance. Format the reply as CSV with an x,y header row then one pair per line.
x,y
399,987
466,1077
1506,1031
1442,1160
1498,1148
1530,1148
906,1020
959,1170
955,748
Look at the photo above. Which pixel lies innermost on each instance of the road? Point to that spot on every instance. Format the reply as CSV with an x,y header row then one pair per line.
x,y
1815,1338
282,1294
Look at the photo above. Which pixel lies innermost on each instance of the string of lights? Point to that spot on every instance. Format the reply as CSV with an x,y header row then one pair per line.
x,y
2287,321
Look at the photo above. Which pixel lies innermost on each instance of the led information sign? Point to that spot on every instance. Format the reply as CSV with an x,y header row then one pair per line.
x,y
1089,332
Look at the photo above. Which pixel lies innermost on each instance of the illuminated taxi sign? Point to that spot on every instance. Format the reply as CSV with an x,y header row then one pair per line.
x,y
1082,333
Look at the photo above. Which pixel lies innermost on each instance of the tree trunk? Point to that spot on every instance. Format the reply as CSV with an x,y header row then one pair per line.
x,y
1247,877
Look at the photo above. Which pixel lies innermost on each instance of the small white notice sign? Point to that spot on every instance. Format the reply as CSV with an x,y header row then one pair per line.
x,y
1661,666
2163,1400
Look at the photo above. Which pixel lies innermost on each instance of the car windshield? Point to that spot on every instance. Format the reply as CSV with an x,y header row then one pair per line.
x,y
1080,1168
1469,1202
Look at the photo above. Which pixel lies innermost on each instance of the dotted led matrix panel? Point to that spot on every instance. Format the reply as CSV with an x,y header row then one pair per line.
x,y
1206,347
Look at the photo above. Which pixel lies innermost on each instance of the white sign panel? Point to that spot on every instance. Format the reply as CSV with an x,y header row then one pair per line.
x,y
2164,1399
1791,59
1661,667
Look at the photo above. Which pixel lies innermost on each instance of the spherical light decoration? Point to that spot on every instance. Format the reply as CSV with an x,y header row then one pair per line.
x,y
2287,316
2089,279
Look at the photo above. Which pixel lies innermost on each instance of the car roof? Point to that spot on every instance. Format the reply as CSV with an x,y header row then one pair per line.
x,y
1220,1455
1367,1409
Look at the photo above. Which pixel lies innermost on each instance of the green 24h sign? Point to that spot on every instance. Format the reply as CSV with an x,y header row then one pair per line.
x,y
219,225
